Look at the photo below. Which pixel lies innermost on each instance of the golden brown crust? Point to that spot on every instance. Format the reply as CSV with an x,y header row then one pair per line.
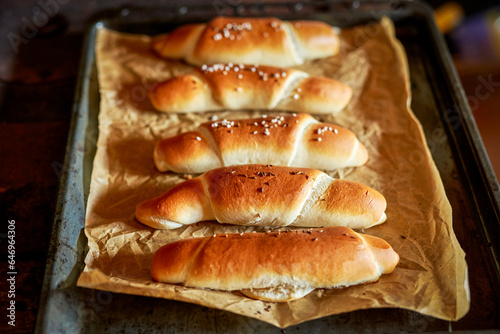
x,y
240,86
189,151
379,248
353,199
317,258
320,94
266,41
185,203
316,38
285,140
282,132
229,39
330,146
271,140
321,137
176,259
249,193
261,195
177,44
184,93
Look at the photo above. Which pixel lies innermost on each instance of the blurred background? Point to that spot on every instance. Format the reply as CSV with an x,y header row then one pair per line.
x,y
40,46
472,32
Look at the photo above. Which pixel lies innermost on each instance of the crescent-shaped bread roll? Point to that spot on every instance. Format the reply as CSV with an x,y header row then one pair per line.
x,y
236,87
265,41
275,266
289,140
260,195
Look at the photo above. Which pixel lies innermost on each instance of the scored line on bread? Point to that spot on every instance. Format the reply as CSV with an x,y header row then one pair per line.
x,y
287,140
267,41
239,86
275,266
265,195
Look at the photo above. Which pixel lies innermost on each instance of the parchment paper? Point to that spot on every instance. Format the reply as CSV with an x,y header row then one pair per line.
x,y
432,275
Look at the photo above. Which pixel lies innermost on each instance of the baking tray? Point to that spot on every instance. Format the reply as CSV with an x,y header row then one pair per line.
x,y
439,103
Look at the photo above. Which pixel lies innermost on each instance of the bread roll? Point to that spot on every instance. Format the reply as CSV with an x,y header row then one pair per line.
x,y
265,41
290,140
275,266
235,87
260,195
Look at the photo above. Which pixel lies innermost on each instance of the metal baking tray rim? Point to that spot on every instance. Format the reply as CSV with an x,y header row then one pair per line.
x,y
67,250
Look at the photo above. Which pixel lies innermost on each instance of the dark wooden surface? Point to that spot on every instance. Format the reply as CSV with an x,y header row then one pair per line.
x,y
38,72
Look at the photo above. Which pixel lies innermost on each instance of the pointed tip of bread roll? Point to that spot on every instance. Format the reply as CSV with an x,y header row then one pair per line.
x,y
174,269
316,39
322,95
385,257
188,152
361,205
178,43
158,43
184,204
185,93
145,213
359,155
159,159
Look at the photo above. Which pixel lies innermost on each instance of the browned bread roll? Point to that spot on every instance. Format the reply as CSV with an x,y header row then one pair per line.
x,y
262,195
266,41
233,87
275,266
290,140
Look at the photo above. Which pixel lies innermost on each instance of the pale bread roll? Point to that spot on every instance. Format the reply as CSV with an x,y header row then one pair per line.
x,y
260,195
266,41
239,86
275,266
288,140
